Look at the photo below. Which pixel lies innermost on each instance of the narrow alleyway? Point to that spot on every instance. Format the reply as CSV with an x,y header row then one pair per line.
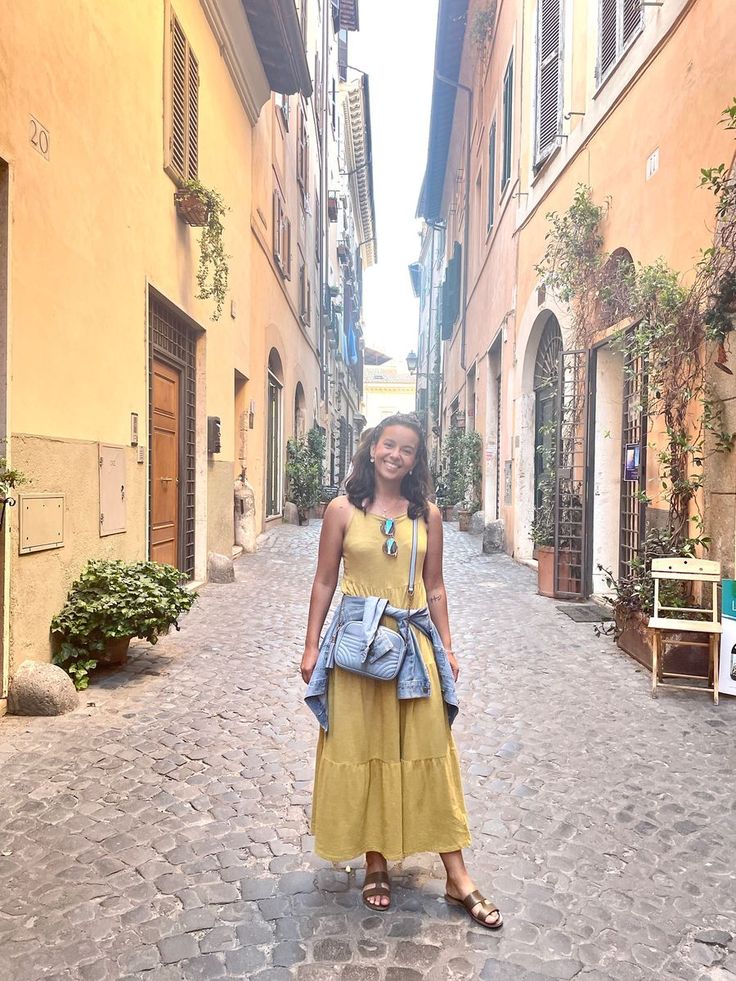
x,y
161,831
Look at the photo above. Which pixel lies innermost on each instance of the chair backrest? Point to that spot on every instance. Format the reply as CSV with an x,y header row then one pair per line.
x,y
687,570
691,570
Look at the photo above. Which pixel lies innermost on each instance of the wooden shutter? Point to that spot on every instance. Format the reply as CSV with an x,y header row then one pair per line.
x,y
492,175
607,49
277,221
549,75
631,20
508,117
193,115
184,138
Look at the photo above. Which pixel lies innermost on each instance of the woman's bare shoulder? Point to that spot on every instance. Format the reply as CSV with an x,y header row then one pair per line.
x,y
339,510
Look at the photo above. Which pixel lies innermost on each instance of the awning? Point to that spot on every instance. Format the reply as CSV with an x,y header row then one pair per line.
x,y
278,36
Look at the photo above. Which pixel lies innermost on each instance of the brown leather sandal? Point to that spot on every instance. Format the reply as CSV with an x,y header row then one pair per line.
x,y
373,881
474,899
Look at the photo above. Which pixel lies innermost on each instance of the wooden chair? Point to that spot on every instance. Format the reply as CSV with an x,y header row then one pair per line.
x,y
690,571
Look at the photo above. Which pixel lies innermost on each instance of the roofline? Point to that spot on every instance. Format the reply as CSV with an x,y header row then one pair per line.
x,y
450,37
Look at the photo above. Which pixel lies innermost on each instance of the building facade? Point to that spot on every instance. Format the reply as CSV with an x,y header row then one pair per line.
x,y
532,100
128,406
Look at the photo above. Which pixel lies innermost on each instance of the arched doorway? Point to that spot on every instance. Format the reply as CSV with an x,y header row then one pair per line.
x,y
300,411
546,374
274,438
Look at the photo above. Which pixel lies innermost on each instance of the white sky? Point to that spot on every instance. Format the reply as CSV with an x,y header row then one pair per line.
x,y
395,46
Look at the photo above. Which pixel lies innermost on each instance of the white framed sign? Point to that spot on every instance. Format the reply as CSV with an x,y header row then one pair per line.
x,y
727,674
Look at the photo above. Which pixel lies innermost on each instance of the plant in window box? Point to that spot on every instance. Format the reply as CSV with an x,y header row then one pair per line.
x,y
203,207
112,602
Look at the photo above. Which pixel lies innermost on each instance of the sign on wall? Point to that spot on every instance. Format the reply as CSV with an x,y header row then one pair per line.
x,y
727,675
632,455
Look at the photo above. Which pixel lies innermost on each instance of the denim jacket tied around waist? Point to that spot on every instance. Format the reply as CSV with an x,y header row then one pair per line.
x,y
412,681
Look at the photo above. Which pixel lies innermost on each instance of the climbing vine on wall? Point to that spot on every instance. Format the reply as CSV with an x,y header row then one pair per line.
x,y
673,329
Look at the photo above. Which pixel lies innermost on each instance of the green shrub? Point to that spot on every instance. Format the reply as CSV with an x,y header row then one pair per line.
x,y
113,599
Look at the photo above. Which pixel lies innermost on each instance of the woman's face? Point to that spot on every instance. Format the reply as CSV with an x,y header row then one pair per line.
x,y
395,453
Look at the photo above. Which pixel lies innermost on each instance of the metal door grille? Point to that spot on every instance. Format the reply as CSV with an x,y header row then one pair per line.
x,y
571,473
172,339
632,514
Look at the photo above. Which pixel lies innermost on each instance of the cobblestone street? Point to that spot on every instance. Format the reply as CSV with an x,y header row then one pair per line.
x,y
160,832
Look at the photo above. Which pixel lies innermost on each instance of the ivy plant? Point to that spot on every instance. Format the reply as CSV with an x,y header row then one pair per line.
x,y
113,599
213,271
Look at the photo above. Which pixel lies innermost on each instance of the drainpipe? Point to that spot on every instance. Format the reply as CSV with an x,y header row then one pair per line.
x,y
430,329
469,93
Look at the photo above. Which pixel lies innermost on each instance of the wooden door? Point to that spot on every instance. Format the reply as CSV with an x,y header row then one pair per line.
x,y
166,418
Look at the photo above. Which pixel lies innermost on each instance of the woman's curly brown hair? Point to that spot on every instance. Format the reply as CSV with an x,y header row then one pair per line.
x,y
416,486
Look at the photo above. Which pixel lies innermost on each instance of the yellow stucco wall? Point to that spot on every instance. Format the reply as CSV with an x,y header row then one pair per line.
x,y
90,229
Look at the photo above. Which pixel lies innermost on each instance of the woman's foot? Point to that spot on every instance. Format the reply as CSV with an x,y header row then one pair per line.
x,y
376,886
482,910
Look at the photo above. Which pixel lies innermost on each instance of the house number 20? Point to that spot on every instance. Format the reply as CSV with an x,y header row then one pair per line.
x,y
40,138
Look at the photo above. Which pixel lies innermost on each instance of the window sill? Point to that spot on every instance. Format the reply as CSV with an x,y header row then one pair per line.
x,y
541,166
601,85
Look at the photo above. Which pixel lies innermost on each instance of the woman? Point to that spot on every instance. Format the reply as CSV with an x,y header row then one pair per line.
x,y
387,778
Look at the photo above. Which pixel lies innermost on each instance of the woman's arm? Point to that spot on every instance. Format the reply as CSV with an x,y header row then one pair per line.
x,y
435,585
325,579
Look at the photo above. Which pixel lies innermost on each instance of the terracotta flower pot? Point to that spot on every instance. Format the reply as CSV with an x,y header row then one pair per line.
x,y
191,207
463,518
116,651
545,570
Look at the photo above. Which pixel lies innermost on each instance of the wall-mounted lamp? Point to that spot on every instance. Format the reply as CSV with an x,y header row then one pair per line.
x,y
569,115
411,362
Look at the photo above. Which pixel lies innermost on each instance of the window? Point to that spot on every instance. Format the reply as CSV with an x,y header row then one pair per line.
x,y
333,104
508,117
281,235
302,153
491,176
620,23
184,106
317,228
549,77
282,104
305,294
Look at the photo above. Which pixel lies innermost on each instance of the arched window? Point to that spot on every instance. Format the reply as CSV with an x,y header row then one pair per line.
x,y
300,411
546,368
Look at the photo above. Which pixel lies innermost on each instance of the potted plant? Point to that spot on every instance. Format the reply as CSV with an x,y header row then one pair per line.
x,y
327,493
632,599
470,477
203,207
112,602
304,464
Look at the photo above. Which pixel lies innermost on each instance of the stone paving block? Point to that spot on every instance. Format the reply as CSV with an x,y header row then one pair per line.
x,y
177,948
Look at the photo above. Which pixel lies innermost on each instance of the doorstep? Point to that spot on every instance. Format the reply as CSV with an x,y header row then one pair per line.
x,y
194,585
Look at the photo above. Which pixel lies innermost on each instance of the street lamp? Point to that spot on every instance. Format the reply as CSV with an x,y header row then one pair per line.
x,y
411,362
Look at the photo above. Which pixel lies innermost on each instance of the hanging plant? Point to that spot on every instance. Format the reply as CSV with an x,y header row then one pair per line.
x,y
203,207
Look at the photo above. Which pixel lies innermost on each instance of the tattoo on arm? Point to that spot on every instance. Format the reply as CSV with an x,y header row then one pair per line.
x,y
435,597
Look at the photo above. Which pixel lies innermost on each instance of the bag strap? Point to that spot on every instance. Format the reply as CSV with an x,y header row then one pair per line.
x,y
413,562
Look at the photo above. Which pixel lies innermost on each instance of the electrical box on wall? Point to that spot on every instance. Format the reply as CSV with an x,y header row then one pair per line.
x,y
113,508
214,436
41,522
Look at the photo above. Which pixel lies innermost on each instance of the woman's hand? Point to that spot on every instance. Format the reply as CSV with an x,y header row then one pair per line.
x,y
454,666
309,659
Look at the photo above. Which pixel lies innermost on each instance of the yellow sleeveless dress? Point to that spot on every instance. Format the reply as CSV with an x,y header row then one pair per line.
x,y
387,774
